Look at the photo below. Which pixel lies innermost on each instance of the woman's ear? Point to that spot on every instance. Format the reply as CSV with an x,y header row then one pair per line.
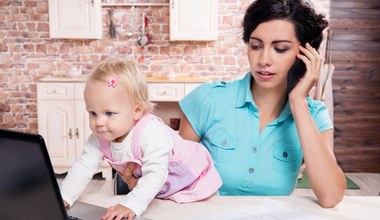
x,y
138,112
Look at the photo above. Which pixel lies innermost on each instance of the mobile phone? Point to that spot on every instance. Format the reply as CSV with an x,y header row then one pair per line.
x,y
296,72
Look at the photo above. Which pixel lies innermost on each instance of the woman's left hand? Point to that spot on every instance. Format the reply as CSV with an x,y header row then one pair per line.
x,y
128,177
313,62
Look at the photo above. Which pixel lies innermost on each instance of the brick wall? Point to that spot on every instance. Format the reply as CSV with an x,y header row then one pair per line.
x,y
27,53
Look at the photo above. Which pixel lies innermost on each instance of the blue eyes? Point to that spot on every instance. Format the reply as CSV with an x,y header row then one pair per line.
x,y
278,50
109,114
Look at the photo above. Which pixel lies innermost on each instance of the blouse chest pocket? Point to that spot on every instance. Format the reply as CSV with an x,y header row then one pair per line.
x,y
285,159
222,147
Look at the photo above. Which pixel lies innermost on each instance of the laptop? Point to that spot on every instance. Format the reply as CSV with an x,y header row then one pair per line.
x,y
28,186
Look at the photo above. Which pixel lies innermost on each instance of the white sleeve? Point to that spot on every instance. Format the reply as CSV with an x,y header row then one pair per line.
x,y
82,171
156,144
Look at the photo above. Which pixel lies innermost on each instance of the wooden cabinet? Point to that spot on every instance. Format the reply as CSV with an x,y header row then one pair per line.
x,y
166,95
63,122
77,19
194,20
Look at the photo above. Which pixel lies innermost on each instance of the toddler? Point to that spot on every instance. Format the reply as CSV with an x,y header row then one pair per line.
x,y
124,132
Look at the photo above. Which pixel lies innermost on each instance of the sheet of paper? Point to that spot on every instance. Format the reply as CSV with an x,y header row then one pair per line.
x,y
268,210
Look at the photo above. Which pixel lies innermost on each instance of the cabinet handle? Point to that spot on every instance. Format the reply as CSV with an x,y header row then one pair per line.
x,y
77,133
92,3
70,133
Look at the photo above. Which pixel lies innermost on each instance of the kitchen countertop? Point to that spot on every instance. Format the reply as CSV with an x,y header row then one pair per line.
x,y
149,79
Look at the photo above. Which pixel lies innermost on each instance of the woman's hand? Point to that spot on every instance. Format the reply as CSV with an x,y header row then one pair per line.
x,y
128,177
118,212
313,62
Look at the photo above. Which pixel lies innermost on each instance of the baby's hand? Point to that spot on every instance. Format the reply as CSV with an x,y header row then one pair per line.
x,y
119,212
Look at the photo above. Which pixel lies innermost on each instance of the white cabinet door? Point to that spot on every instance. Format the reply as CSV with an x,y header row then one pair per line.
x,y
82,128
64,123
55,124
193,20
81,19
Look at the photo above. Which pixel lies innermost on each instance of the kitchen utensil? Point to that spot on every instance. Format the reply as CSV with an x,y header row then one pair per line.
x,y
143,39
131,33
112,30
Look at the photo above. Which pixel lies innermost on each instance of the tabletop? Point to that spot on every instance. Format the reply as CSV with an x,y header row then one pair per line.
x,y
252,207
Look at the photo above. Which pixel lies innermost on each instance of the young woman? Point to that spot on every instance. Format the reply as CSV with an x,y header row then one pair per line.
x,y
259,129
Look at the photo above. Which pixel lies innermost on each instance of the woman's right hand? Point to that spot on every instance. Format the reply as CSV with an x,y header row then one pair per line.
x,y
128,177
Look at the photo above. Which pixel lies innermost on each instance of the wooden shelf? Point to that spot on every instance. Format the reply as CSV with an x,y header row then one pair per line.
x,y
134,4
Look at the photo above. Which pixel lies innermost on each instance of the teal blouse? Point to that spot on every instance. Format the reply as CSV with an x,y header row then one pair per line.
x,y
226,118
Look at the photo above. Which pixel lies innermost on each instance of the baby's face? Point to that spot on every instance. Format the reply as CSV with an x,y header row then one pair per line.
x,y
111,112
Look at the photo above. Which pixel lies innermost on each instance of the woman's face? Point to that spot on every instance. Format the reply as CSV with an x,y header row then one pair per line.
x,y
272,50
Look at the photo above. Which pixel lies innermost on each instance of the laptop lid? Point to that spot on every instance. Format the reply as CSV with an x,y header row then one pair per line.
x,y
28,187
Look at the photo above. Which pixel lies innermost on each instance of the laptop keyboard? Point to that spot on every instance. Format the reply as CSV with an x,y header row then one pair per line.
x,y
74,218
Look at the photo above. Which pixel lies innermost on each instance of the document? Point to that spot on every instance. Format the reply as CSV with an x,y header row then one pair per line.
x,y
268,210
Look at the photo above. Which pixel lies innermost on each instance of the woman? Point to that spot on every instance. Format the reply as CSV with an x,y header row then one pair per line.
x,y
259,129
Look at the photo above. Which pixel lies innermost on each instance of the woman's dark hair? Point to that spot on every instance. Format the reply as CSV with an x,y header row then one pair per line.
x,y
308,24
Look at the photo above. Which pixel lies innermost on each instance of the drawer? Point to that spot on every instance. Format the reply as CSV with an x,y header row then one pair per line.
x,y
79,90
166,91
55,91
190,87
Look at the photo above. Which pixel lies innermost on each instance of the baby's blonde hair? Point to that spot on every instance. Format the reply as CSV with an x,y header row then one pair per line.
x,y
128,75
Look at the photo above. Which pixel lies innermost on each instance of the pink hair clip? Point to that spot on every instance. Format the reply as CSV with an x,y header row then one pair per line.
x,y
113,82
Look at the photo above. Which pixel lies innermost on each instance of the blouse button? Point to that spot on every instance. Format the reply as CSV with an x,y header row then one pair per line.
x,y
224,142
251,170
285,154
254,150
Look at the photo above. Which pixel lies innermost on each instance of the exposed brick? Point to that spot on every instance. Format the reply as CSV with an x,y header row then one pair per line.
x,y
43,27
29,48
3,48
27,52
4,108
30,3
5,3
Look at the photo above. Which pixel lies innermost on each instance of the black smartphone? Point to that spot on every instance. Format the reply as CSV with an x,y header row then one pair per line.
x,y
296,72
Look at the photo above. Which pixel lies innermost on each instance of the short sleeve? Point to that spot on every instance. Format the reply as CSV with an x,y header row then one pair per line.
x,y
197,107
320,115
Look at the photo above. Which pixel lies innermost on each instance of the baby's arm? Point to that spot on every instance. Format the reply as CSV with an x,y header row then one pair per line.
x,y
156,146
82,171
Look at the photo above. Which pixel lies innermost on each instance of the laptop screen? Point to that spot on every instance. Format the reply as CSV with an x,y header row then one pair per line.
x,y
28,188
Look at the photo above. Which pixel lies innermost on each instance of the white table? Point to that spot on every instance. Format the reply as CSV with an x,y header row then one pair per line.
x,y
351,208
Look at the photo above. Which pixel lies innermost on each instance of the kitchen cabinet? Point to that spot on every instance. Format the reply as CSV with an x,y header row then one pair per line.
x,y
63,122
166,95
76,19
193,20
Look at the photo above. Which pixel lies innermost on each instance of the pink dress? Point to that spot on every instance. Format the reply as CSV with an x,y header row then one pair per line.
x,y
192,174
